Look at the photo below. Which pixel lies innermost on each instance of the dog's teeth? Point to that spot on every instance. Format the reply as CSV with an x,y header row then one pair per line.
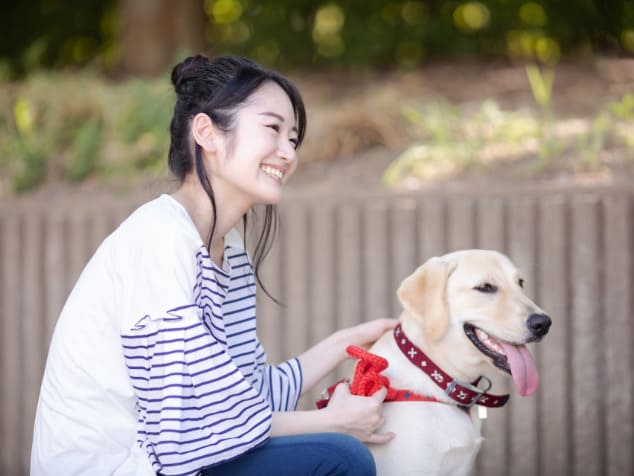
x,y
490,343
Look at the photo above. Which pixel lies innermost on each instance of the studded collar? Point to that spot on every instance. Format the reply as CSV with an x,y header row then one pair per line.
x,y
465,395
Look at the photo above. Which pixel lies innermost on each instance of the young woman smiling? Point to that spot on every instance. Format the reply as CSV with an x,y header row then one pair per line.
x,y
155,366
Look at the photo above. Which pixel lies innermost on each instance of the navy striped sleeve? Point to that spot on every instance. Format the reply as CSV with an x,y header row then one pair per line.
x,y
284,384
195,407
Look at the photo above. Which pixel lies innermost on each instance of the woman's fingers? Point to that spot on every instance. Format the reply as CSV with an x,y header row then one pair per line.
x,y
360,416
380,438
379,395
367,333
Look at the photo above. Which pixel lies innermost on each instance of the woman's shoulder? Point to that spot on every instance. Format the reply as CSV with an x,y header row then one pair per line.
x,y
160,218
158,226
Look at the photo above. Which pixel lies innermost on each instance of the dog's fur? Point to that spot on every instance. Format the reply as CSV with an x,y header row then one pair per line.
x,y
441,297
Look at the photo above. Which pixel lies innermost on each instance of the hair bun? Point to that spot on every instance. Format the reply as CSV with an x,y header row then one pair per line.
x,y
183,70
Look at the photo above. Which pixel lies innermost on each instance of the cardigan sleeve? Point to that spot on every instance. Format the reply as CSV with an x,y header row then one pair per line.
x,y
282,383
195,408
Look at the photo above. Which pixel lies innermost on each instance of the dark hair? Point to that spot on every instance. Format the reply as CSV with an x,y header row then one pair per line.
x,y
218,87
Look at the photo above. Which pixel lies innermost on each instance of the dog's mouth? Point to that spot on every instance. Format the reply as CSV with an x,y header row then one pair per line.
x,y
511,358
489,346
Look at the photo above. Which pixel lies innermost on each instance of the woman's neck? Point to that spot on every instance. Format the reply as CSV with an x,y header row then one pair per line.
x,y
195,200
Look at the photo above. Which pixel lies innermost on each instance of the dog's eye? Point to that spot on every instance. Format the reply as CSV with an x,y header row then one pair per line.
x,y
486,288
521,282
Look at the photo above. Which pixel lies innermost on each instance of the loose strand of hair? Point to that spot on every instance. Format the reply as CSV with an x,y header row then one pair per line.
x,y
204,181
263,246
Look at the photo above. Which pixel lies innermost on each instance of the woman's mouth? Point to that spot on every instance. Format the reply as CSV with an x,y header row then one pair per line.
x,y
273,172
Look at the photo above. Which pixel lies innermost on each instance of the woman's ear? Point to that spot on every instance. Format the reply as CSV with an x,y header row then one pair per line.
x,y
204,132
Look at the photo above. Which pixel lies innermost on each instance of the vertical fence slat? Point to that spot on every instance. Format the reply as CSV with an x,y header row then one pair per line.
x,y
461,223
492,460
295,267
321,320
32,341
431,228
349,242
376,257
585,333
553,275
77,246
100,227
403,250
13,426
490,229
55,269
522,237
321,307
349,290
269,313
618,323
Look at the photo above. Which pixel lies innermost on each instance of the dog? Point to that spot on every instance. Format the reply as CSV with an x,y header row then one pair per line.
x,y
465,318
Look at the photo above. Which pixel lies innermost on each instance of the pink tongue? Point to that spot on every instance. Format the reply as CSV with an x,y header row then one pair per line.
x,y
522,368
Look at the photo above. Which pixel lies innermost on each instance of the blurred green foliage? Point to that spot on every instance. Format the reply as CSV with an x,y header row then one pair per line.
x,y
63,126
450,139
332,33
55,33
75,124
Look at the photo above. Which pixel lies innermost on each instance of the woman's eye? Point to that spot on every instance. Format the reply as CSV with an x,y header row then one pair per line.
x,y
486,288
521,282
275,127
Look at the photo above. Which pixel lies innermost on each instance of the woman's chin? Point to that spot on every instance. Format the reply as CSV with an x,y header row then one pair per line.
x,y
270,198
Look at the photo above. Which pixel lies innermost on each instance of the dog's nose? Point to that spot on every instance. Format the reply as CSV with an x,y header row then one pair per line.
x,y
539,324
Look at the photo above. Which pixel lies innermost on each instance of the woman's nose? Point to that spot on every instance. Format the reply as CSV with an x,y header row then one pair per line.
x,y
286,150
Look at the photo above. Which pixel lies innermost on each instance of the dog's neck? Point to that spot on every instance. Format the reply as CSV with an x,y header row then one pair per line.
x,y
440,357
402,372
465,394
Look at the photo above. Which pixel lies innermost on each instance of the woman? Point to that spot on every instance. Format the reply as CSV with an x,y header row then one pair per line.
x,y
154,366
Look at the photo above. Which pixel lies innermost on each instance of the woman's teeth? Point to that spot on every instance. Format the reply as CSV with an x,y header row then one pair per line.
x,y
273,172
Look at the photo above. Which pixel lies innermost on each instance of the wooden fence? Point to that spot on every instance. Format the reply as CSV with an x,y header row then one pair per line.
x,y
338,261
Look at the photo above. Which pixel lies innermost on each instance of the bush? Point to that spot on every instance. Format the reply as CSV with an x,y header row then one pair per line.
x,y
72,126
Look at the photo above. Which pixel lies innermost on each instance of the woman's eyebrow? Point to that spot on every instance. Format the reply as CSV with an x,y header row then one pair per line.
x,y
276,116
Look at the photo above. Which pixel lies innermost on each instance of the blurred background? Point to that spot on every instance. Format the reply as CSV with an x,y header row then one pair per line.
x,y
433,125
497,84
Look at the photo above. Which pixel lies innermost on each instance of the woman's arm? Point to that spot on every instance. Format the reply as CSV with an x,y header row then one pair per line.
x,y
354,415
322,358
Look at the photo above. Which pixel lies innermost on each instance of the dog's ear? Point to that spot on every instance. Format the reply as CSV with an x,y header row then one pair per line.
x,y
424,296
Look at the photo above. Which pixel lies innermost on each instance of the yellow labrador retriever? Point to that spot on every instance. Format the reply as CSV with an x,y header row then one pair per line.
x,y
465,317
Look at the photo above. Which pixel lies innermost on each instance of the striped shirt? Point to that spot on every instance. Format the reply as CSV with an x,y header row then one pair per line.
x,y
167,372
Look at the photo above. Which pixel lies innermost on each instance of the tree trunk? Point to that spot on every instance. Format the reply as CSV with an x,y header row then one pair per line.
x,y
153,32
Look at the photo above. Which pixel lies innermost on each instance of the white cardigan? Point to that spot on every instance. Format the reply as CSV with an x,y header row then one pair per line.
x,y
155,365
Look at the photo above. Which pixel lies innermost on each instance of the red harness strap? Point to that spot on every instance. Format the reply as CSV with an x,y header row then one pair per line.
x,y
367,380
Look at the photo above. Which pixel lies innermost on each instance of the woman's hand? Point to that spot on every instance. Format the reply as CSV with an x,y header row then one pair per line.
x,y
358,416
323,357
364,335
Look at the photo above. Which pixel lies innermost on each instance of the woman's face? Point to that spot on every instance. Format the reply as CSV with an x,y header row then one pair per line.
x,y
258,156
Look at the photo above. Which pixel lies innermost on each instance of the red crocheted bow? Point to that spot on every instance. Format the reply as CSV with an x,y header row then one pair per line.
x,y
367,380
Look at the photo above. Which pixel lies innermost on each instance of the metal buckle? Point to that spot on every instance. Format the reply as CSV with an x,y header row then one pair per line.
x,y
478,392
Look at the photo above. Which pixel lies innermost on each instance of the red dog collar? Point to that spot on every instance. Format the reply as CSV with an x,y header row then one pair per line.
x,y
464,394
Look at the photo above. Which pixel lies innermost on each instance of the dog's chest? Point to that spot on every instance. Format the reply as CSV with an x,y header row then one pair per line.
x,y
431,439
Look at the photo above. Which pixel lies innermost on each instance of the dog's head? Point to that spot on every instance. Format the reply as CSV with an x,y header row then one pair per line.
x,y
472,310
